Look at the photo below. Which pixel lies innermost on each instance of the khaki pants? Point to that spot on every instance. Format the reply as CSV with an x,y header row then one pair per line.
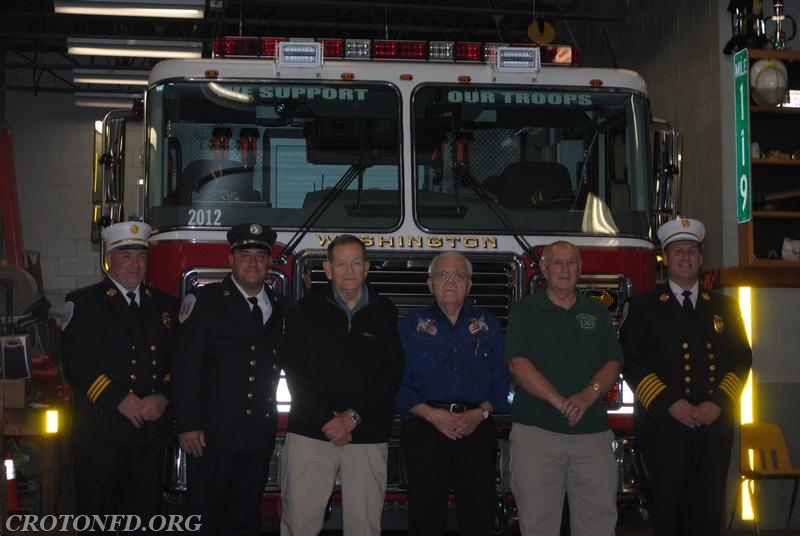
x,y
308,472
546,464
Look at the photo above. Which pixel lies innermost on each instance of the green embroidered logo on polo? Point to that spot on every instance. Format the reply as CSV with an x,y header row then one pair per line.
x,y
586,321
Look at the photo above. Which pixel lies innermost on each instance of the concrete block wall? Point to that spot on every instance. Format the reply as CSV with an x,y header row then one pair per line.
x,y
53,155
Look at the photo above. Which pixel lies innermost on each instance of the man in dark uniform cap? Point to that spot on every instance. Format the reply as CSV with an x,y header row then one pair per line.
x,y
226,371
114,349
687,358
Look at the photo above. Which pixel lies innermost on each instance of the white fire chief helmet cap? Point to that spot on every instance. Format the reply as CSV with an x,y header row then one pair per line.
x,y
681,229
126,235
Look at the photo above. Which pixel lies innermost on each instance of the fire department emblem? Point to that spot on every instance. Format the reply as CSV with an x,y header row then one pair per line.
x,y
166,319
134,229
186,307
476,325
111,292
255,229
427,325
705,296
685,223
664,297
719,324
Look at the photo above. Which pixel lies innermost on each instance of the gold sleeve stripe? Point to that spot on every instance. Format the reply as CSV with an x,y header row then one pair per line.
x,y
167,377
649,388
731,385
97,387
646,401
648,383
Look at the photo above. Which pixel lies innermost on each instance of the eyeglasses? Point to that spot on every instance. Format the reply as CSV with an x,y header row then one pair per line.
x,y
456,277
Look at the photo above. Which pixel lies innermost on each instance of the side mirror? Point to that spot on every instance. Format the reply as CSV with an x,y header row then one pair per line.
x,y
109,170
667,159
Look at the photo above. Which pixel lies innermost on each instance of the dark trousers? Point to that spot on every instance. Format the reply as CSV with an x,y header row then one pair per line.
x,y
112,479
225,489
435,464
686,473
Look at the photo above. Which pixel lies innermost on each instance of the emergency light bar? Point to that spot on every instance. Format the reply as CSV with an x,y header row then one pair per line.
x,y
517,59
305,54
513,57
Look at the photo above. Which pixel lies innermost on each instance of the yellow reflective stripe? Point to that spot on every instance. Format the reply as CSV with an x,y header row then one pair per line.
x,y
97,387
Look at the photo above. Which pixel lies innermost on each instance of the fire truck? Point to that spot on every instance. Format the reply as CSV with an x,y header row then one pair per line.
x,y
417,148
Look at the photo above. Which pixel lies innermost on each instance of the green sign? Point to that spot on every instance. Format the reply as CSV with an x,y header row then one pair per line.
x,y
741,100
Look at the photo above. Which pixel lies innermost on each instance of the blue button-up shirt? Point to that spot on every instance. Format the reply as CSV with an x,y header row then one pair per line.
x,y
446,362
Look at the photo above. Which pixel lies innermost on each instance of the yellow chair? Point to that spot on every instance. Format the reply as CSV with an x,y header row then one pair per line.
x,y
770,461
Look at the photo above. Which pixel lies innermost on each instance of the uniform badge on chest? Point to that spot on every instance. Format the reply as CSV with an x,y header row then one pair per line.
x,y
719,324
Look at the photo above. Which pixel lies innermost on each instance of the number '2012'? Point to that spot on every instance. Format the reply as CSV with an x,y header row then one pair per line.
x,y
205,217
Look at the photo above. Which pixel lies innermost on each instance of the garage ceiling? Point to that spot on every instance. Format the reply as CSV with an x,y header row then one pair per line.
x,y
33,37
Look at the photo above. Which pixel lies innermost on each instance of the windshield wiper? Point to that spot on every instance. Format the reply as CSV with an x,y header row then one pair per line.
x,y
461,171
356,170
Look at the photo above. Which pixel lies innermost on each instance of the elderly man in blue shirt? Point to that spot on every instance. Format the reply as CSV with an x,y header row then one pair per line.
x,y
455,378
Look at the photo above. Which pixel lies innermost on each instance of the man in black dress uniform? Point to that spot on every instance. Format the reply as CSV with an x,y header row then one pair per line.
x,y
226,371
687,358
115,353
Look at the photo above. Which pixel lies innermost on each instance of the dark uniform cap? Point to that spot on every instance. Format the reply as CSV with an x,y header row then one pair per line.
x,y
251,236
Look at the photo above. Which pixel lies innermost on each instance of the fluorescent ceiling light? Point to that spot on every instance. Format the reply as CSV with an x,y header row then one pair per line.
x,y
133,48
109,76
176,9
106,100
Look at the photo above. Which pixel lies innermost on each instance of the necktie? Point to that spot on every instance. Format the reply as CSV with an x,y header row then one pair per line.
x,y
687,301
132,303
258,316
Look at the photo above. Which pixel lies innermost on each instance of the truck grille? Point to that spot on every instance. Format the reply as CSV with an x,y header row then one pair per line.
x,y
496,280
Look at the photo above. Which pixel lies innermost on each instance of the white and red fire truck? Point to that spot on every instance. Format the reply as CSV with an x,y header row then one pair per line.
x,y
416,147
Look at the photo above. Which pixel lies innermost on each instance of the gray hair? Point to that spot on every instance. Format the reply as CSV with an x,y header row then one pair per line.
x,y
453,254
548,249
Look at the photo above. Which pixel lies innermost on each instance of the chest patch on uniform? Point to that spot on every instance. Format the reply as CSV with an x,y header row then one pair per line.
x,y
719,324
427,325
66,314
186,307
586,321
476,325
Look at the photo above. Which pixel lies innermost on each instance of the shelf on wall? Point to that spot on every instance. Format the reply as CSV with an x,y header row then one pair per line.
x,y
776,214
762,236
774,162
762,273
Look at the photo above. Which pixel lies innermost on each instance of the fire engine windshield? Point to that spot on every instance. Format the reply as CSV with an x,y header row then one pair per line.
x,y
225,153
551,160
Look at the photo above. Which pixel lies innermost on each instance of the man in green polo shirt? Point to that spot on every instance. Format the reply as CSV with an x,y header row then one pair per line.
x,y
563,354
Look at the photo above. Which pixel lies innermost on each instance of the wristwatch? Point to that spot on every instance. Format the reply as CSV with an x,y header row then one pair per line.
x,y
484,412
356,417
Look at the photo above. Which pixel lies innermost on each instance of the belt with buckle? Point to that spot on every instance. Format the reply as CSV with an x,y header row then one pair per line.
x,y
452,407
